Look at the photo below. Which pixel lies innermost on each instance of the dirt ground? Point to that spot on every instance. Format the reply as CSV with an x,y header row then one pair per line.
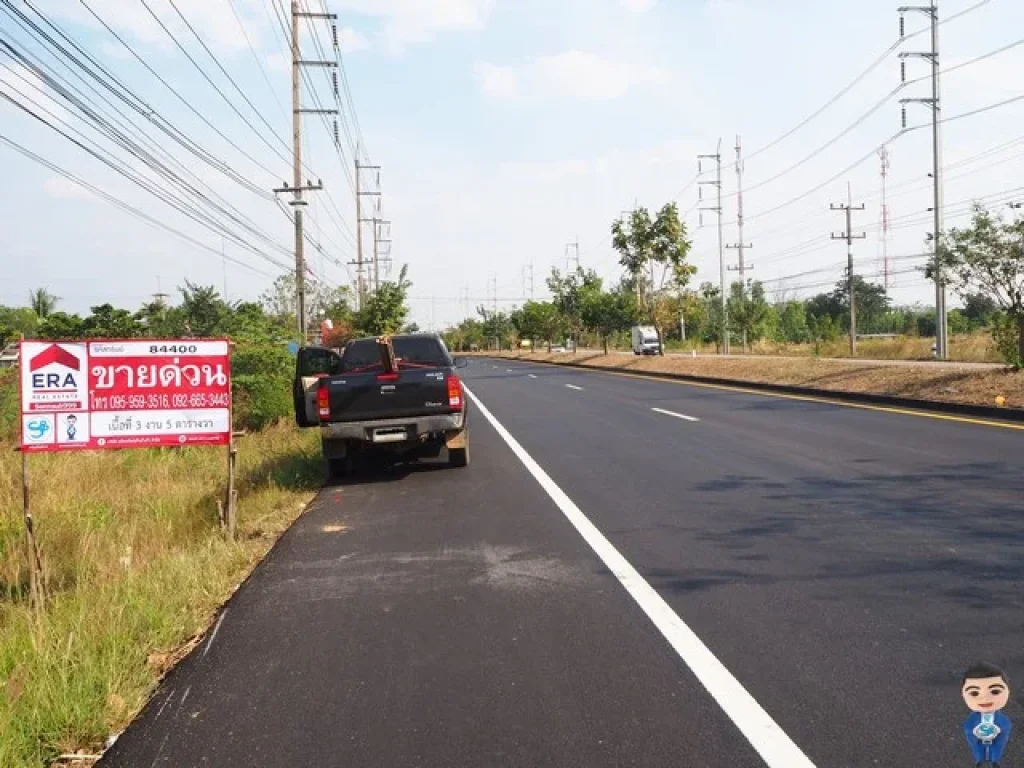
x,y
948,383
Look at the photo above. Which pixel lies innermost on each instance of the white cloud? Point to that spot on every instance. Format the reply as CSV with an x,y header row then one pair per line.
x,y
350,41
572,74
61,188
418,21
638,6
278,62
215,22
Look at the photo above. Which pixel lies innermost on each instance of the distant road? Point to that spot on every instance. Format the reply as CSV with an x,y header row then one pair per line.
x,y
629,573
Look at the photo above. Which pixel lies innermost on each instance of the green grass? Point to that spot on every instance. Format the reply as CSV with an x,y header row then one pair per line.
x,y
135,565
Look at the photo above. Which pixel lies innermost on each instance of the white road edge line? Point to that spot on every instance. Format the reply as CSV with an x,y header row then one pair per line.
x,y
682,416
573,386
533,376
213,635
764,734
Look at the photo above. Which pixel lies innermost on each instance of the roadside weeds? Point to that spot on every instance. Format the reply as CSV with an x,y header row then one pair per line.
x,y
136,568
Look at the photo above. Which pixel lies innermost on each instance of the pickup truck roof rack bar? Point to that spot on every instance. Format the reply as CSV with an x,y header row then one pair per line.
x,y
387,355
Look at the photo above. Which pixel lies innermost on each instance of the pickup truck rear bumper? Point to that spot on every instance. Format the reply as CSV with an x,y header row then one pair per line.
x,y
416,427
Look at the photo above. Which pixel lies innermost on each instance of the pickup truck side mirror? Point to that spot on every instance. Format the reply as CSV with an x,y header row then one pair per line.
x,y
461,362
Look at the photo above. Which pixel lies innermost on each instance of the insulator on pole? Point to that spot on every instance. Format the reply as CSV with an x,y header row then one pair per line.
x,y
337,137
904,118
334,34
903,71
334,80
903,27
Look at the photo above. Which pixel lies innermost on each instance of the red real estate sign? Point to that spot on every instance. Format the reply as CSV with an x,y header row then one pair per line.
x,y
124,394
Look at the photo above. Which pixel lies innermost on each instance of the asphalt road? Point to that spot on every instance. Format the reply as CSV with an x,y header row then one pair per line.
x,y
842,565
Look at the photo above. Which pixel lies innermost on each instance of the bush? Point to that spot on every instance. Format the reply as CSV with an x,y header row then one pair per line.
x,y
1005,336
9,404
262,385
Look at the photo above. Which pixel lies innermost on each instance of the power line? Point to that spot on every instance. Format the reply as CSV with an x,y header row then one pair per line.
x,y
125,142
123,205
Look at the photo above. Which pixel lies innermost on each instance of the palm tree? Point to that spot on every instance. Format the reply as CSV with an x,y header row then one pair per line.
x,y
42,302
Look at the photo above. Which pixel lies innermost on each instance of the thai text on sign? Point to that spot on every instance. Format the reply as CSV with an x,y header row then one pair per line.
x,y
124,394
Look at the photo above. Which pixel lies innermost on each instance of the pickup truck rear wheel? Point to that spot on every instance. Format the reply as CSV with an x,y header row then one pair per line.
x,y
458,457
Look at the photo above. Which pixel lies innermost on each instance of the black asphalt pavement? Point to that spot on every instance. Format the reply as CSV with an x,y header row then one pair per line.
x,y
845,565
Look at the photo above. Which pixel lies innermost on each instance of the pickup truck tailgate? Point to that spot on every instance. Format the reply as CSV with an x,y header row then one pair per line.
x,y
369,396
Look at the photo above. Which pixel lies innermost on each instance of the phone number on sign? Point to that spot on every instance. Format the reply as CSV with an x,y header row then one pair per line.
x,y
154,402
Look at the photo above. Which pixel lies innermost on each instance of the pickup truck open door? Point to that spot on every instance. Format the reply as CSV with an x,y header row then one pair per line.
x,y
311,364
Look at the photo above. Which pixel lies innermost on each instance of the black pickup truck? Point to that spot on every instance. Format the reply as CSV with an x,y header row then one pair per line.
x,y
397,394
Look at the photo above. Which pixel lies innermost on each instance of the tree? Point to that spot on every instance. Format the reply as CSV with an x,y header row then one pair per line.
x,y
496,326
385,310
42,302
608,313
748,309
979,309
710,296
570,292
988,258
793,323
108,322
15,321
647,247
203,311
61,326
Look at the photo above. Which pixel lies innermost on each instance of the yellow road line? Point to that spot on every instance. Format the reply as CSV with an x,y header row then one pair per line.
x,y
805,398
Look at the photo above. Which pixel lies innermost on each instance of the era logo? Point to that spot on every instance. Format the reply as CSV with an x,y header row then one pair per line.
x,y
50,356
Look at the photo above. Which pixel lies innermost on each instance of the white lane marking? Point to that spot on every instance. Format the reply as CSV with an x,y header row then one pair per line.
x,y
213,635
573,386
682,416
764,734
533,376
509,370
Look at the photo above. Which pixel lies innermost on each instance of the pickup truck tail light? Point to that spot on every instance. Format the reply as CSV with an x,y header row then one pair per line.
x,y
323,401
455,393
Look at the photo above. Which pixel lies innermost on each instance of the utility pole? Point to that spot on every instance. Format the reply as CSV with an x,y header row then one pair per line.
x,y
883,154
297,188
360,262
935,102
849,237
741,246
717,157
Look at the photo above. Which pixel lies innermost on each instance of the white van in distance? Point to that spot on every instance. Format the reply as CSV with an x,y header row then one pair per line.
x,y
645,340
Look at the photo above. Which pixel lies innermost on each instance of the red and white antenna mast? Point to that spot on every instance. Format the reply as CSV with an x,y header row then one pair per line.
x,y
883,154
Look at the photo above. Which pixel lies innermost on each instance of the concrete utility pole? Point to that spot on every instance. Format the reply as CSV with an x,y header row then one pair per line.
x,y
935,102
297,187
741,246
883,154
849,237
360,262
717,157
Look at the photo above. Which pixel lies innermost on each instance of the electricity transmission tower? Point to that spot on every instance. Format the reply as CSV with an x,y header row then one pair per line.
x,y
360,262
741,247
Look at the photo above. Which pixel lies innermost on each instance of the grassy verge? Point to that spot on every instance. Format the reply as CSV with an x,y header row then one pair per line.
x,y
946,384
135,565
963,348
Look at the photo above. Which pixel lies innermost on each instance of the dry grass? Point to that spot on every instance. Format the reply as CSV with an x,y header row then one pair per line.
x,y
135,565
967,348
941,383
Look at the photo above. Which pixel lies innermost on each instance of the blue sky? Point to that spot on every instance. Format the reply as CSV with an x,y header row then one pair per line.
x,y
507,129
